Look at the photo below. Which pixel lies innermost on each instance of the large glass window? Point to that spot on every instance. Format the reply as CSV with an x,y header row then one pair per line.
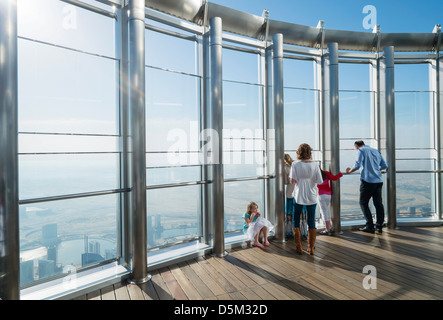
x,y
301,106
357,122
174,213
415,141
243,135
68,139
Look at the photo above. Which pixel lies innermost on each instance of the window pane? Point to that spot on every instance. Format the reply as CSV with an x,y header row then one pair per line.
x,y
415,194
170,52
243,164
172,111
167,175
64,235
356,115
240,66
354,76
61,174
349,198
173,214
242,107
298,74
66,25
63,91
54,143
301,118
411,77
414,120
243,143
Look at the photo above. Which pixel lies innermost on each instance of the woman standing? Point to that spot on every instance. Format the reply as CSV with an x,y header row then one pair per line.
x,y
305,174
289,207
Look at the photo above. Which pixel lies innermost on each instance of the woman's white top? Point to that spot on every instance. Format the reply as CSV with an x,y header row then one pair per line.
x,y
307,175
289,186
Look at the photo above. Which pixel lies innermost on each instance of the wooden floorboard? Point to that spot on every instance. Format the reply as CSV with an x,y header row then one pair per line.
x,y
408,263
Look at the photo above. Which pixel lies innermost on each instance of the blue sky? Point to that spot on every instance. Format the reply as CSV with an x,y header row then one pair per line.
x,y
392,15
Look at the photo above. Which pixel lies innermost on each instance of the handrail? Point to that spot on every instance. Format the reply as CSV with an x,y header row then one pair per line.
x,y
73,196
179,184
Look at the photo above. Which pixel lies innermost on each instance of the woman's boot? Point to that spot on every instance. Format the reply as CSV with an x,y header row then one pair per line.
x,y
297,239
312,235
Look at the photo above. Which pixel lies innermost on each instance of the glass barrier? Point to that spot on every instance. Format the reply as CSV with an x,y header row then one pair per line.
x,y
241,66
58,237
161,51
48,175
172,111
65,91
66,25
174,214
356,115
414,120
68,120
415,195
301,118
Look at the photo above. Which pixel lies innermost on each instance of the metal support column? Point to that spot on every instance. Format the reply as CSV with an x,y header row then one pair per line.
x,y
388,54
136,117
121,31
9,219
334,132
216,87
437,86
278,128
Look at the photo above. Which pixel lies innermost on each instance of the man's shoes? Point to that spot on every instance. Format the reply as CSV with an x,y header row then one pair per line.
x,y
379,230
367,229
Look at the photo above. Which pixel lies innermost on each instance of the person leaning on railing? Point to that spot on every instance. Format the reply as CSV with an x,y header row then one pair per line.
x,y
371,163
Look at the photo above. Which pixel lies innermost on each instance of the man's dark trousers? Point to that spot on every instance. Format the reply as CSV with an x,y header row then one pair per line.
x,y
368,191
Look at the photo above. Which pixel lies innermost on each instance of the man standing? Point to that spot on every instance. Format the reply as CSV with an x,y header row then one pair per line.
x,y
371,162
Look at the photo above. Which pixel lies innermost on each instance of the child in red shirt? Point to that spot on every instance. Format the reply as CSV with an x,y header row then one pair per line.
x,y
324,198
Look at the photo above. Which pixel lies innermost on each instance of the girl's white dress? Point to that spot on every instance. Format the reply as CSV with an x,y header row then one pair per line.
x,y
255,227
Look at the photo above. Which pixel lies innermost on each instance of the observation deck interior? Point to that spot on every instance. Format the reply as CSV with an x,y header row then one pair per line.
x,y
134,134
407,262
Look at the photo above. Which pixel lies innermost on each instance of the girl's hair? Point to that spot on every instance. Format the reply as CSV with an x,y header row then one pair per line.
x,y
250,205
304,152
323,174
288,159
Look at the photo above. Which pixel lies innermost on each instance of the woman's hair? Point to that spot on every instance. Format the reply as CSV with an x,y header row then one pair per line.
x,y
288,159
250,205
304,152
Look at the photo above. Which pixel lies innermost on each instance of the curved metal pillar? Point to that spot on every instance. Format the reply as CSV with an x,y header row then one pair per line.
x,y
136,96
334,132
388,54
9,211
216,87
439,114
278,128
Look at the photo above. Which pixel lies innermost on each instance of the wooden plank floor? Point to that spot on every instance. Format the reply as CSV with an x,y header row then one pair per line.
x,y
408,264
